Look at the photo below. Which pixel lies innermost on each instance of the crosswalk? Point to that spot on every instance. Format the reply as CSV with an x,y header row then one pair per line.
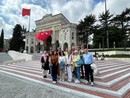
x,y
113,80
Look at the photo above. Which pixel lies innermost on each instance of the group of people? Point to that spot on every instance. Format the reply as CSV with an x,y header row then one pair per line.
x,y
60,62
100,57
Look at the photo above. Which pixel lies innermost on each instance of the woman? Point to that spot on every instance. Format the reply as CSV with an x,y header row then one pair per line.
x,y
45,63
50,65
54,62
62,60
69,65
76,58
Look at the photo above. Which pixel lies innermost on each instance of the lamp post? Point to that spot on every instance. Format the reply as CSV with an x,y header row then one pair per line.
x,y
106,25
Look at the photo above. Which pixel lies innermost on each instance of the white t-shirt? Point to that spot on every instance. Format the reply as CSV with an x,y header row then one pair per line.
x,y
68,59
62,58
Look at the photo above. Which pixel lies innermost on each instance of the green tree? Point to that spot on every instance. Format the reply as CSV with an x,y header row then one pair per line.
x,y
115,36
98,37
16,42
85,28
105,20
122,22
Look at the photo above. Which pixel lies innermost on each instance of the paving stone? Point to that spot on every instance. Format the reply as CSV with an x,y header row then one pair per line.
x,y
12,87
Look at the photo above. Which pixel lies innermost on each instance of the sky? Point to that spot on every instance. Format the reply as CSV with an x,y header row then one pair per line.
x,y
73,10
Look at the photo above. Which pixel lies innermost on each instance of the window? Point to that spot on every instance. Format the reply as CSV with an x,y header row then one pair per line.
x,y
72,35
27,41
65,37
32,41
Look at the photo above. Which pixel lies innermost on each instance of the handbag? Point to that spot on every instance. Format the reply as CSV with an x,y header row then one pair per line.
x,y
80,62
95,69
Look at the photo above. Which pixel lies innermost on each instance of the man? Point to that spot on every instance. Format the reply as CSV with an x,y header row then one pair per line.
x,y
88,60
81,55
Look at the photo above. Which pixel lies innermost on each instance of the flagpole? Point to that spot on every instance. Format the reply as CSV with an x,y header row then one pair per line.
x,y
29,24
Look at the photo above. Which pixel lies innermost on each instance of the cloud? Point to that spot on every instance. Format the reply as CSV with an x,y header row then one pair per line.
x,y
11,15
7,29
73,10
114,6
1,22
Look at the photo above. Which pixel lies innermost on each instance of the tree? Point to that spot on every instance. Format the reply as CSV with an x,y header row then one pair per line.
x,y
98,37
85,28
105,19
2,40
122,22
16,42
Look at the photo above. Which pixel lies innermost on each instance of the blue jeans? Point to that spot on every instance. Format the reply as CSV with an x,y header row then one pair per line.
x,y
54,78
50,70
78,73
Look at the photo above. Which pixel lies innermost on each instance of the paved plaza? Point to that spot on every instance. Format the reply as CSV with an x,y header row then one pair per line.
x,y
25,80
13,87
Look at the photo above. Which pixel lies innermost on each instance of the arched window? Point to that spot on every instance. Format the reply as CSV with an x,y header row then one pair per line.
x,y
65,37
72,35
27,41
32,41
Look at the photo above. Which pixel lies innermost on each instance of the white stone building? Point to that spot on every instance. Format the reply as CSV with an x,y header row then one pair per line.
x,y
63,31
6,44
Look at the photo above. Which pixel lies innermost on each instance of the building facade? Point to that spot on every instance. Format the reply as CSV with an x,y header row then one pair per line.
x,y
63,31
6,44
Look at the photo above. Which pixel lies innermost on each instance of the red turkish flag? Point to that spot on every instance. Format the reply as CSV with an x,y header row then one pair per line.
x,y
25,12
43,35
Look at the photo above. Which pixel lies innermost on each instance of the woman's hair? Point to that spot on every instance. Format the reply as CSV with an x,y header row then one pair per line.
x,y
62,52
54,52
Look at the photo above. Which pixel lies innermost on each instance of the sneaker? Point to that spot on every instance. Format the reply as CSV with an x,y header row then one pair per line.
x,y
69,81
54,82
45,76
82,77
86,82
77,81
91,83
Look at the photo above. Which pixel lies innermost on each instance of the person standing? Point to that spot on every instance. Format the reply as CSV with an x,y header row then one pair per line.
x,y
62,59
76,58
58,53
82,66
50,64
45,63
88,60
54,62
69,65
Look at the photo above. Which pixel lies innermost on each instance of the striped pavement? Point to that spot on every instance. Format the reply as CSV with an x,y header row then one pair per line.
x,y
113,80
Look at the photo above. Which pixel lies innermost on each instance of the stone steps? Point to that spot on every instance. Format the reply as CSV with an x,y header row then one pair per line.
x,y
114,84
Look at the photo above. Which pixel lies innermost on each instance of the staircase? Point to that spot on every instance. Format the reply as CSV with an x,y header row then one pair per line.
x,y
112,82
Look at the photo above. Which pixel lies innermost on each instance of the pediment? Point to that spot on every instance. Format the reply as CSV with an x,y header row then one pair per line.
x,y
49,18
